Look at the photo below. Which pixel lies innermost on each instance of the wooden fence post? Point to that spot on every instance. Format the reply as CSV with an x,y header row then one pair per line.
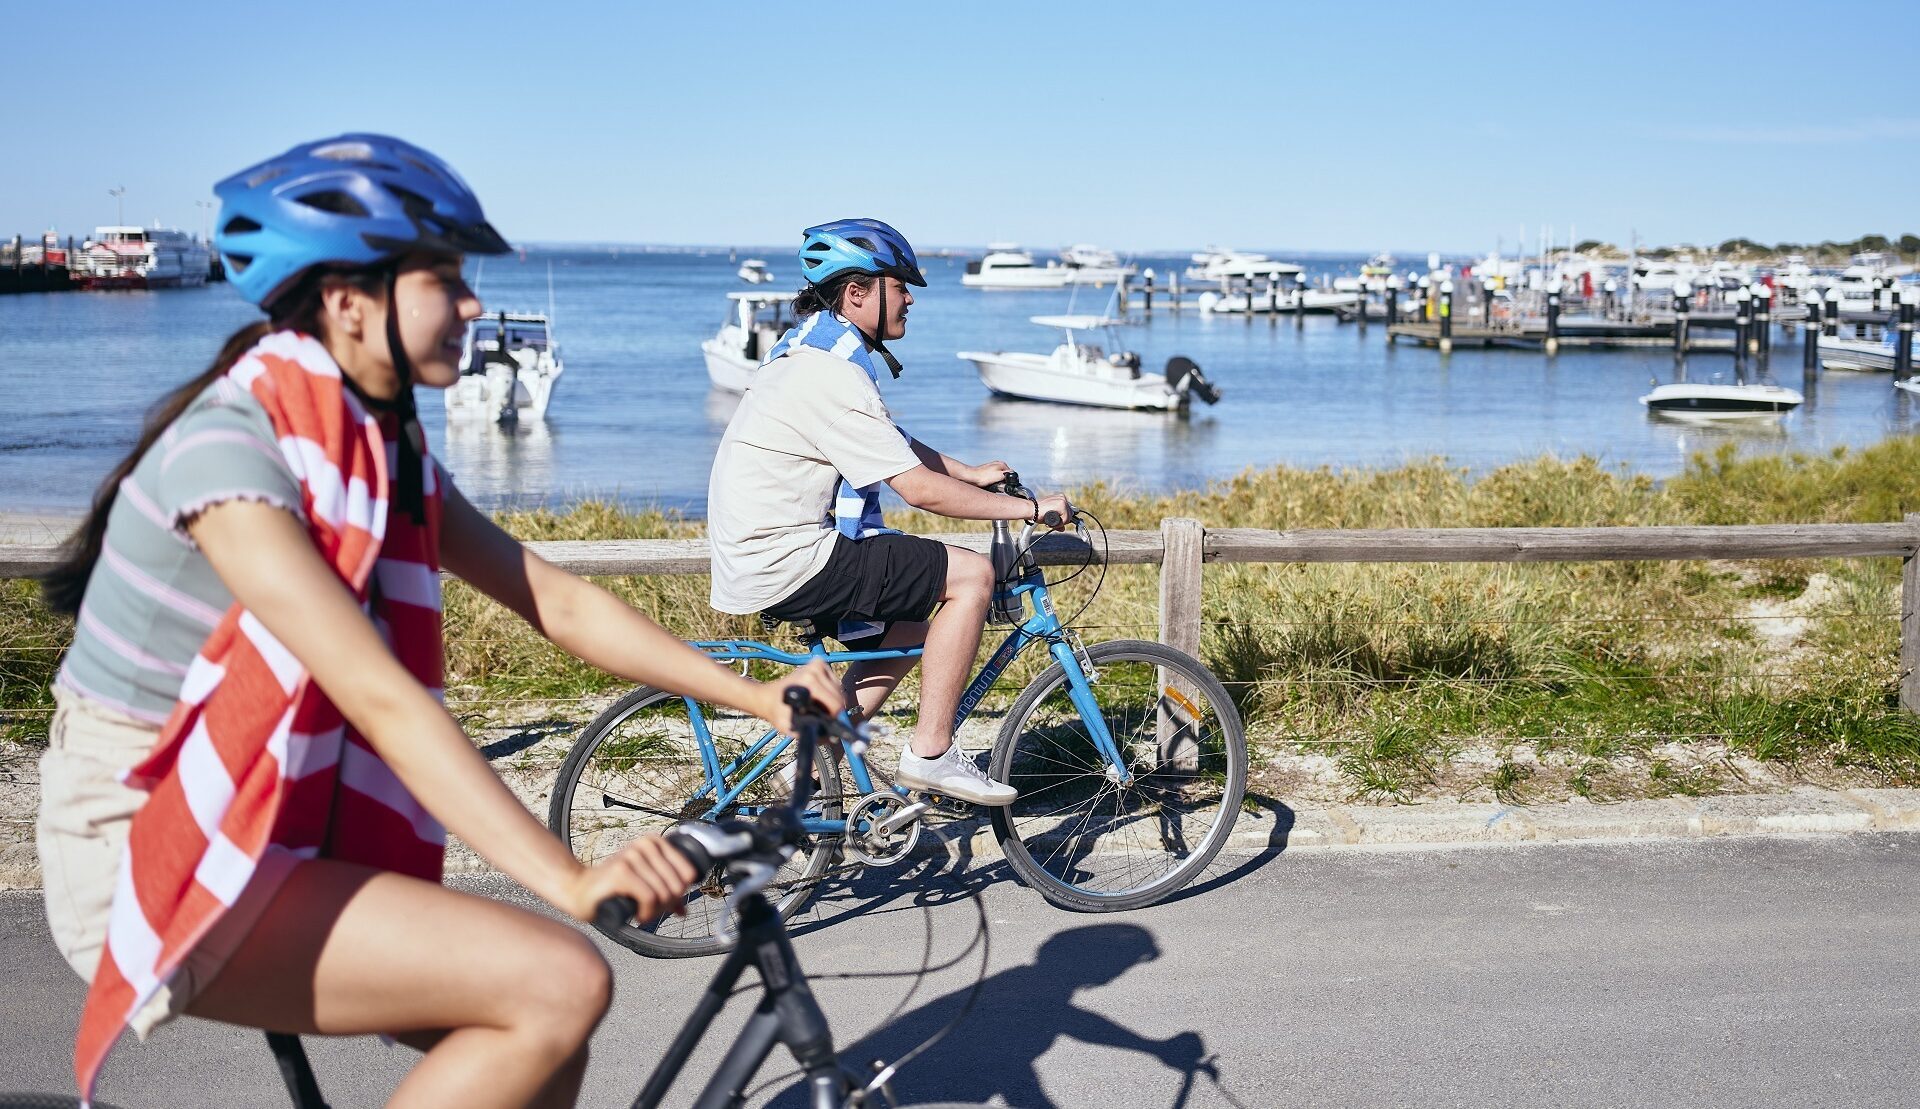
x,y
1181,538
1909,625
1180,583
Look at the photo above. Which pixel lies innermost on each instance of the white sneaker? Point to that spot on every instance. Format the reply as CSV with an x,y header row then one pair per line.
x,y
955,775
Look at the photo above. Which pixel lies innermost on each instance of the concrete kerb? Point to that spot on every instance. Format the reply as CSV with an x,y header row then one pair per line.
x,y
1798,812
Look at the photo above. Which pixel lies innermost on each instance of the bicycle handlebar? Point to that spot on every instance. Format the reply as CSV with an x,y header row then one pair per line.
x,y
1009,485
751,853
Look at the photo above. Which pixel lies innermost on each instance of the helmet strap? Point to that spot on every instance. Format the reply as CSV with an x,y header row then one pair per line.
x,y
880,331
411,497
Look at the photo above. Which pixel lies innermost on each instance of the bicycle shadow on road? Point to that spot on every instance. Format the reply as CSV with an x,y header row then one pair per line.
x,y
1022,1012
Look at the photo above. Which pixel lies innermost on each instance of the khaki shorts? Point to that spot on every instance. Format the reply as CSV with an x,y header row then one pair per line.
x,y
85,814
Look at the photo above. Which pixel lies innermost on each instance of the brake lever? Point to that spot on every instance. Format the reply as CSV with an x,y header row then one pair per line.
x,y
750,876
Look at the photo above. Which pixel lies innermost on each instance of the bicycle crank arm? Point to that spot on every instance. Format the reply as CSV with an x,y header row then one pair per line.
x,y
903,818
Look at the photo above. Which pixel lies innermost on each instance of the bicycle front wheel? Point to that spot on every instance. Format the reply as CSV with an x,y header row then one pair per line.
x,y
1078,833
637,769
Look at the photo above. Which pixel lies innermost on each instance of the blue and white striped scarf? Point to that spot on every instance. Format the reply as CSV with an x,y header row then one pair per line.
x,y
856,509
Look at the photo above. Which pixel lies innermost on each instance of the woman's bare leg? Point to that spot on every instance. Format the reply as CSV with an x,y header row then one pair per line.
x,y
502,1000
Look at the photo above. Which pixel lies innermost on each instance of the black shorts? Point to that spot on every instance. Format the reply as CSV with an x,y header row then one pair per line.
x,y
881,578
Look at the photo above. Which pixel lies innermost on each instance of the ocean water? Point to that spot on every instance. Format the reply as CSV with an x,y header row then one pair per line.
x,y
635,419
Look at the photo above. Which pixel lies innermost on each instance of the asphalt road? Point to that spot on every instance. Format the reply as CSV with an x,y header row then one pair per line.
x,y
1734,972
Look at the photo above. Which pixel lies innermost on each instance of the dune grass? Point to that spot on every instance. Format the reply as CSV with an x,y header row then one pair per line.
x,y
1604,680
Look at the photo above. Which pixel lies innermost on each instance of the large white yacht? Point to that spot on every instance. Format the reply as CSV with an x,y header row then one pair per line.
x,y
755,321
1006,266
142,258
508,368
1237,265
1084,373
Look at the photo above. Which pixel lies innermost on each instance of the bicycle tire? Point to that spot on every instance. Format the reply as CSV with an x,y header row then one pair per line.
x,y
640,757
1072,833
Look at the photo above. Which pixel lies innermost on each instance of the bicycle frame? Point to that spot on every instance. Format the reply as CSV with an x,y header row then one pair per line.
x,y
787,1014
1043,625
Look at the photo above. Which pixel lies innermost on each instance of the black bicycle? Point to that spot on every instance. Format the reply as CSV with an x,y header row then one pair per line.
x,y
746,858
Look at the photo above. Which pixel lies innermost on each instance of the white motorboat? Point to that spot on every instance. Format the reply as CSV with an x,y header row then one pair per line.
x,y
1713,402
1093,266
755,321
1008,267
142,258
753,271
1238,265
1084,373
1857,355
508,368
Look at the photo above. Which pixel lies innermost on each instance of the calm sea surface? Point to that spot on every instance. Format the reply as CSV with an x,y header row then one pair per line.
x,y
634,417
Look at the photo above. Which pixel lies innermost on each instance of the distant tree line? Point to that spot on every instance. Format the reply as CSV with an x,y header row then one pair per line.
x,y
1906,245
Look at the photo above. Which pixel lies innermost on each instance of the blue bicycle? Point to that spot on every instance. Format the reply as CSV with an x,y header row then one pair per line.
x,y
1129,758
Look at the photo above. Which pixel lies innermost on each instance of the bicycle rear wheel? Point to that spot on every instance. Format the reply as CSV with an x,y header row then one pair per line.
x,y
636,769
1076,833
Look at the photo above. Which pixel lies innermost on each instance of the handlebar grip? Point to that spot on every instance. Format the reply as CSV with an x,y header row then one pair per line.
x,y
693,849
1053,519
612,914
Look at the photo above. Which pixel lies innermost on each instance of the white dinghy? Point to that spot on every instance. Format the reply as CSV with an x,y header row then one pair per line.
x,y
1084,373
755,321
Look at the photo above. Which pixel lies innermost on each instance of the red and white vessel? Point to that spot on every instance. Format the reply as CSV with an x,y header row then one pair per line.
x,y
141,258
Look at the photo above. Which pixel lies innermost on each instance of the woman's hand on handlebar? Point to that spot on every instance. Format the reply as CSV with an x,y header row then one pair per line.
x,y
649,870
818,681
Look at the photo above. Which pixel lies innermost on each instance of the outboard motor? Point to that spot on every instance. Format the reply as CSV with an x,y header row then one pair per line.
x,y
1184,375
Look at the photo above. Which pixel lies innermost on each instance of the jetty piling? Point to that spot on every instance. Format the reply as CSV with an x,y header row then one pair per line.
x,y
1810,345
1299,301
1762,321
1742,322
1903,337
1682,306
1393,300
1552,344
1833,313
1446,317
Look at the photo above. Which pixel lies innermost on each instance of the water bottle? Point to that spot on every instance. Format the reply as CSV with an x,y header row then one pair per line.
x,y
1006,607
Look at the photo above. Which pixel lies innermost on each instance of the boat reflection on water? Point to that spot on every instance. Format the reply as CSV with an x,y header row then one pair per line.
x,y
1691,437
720,406
511,462
1083,444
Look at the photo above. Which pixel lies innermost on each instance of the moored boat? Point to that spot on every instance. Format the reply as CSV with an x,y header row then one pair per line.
x,y
1084,373
755,321
141,258
1712,401
508,369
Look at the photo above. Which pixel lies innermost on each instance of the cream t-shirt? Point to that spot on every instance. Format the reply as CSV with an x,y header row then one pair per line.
x,y
807,419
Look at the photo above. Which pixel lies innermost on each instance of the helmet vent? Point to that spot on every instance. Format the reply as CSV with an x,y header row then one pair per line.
x,y
240,225
864,244
238,263
344,152
335,201
265,176
421,166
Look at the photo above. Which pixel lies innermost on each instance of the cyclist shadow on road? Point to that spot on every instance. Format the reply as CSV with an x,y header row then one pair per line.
x,y
1022,1012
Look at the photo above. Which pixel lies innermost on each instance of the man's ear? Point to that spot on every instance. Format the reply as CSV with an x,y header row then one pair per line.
x,y
856,294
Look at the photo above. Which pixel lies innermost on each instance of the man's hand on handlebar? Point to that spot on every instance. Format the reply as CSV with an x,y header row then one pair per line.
x,y
1054,511
985,475
819,683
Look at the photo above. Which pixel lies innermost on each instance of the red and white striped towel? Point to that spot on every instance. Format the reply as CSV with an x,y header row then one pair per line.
x,y
255,769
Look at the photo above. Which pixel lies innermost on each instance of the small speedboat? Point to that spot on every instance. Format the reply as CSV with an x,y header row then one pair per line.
x,y
1712,401
1084,373
753,271
755,321
508,368
1006,266
1857,355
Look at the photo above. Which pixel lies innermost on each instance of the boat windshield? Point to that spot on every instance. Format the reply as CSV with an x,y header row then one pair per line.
x,y
519,335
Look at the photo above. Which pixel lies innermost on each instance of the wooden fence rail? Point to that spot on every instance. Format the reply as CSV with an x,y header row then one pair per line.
x,y
1183,546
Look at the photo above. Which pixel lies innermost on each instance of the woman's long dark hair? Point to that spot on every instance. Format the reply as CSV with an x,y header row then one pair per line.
x,y
63,587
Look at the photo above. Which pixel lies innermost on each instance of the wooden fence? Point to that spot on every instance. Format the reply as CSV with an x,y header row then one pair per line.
x,y
1183,546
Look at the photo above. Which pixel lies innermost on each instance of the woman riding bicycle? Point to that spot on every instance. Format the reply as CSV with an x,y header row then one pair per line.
x,y
258,657
793,501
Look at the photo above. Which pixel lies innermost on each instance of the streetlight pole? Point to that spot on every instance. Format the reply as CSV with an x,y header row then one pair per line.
x,y
119,204
207,221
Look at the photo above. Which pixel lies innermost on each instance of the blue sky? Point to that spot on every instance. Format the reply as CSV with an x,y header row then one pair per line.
x,y
1165,125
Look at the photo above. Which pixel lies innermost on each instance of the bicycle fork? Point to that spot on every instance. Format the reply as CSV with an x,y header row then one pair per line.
x,y
1080,693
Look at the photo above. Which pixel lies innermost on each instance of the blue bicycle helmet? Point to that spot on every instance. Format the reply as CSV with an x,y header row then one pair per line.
x,y
857,246
355,199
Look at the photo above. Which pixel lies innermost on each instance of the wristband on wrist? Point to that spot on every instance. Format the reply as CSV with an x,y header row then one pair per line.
x,y
1035,518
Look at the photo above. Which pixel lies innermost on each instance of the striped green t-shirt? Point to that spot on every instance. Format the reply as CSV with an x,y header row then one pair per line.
x,y
153,597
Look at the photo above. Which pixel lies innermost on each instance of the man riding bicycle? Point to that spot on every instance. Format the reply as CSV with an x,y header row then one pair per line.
x,y
793,501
